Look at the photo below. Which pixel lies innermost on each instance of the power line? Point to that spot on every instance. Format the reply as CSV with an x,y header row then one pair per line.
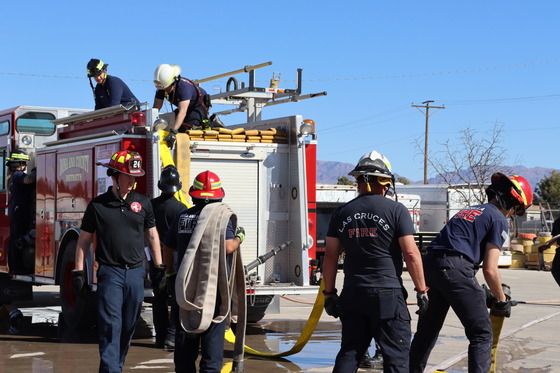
x,y
442,72
353,122
503,100
399,76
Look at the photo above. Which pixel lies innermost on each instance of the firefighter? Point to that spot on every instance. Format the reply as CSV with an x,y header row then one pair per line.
x,y
555,268
110,90
22,187
166,208
374,232
122,221
473,235
206,189
192,101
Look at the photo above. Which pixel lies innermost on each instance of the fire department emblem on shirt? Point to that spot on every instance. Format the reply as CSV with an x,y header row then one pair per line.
x,y
136,207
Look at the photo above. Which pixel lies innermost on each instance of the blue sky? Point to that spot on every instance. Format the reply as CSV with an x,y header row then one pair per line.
x,y
486,61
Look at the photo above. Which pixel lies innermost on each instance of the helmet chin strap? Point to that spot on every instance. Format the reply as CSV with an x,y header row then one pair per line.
x,y
366,179
119,195
92,88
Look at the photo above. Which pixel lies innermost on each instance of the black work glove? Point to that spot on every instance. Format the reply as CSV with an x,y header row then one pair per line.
x,y
422,301
33,174
240,233
157,275
331,305
171,137
170,284
490,299
79,283
501,309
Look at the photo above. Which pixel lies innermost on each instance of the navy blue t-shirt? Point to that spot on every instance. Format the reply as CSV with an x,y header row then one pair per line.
x,y
471,229
113,92
181,230
368,228
184,90
21,198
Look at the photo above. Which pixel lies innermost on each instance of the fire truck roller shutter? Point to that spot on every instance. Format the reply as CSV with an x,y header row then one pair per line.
x,y
239,181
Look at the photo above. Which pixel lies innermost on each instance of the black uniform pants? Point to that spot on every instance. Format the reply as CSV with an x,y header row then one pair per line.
x,y
452,282
19,226
555,270
378,313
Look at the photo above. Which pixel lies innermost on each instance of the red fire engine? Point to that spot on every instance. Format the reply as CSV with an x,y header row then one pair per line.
x,y
269,179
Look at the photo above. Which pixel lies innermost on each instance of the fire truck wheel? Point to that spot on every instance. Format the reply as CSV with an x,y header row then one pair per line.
x,y
255,317
77,312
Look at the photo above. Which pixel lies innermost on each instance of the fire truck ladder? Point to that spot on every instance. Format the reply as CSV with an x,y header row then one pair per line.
x,y
252,99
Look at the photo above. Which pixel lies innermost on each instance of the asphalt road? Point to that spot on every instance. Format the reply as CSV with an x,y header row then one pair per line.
x,y
530,338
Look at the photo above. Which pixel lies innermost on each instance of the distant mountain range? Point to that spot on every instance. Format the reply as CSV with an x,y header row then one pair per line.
x,y
328,172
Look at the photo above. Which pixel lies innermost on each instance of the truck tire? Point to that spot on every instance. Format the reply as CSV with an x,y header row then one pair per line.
x,y
257,307
77,312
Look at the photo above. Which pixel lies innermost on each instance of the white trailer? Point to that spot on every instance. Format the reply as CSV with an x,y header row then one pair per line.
x,y
440,202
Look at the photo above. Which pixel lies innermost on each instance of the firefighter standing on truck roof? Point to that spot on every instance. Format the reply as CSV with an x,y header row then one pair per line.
x,y
191,100
473,235
166,209
206,189
374,232
110,90
21,209
122,221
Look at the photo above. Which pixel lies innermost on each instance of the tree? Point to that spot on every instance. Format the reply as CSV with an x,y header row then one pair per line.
x,y
471,161
403,180
548,189
343,180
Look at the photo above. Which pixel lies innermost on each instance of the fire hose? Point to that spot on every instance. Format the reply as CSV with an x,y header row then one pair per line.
x,y
202,279
311,321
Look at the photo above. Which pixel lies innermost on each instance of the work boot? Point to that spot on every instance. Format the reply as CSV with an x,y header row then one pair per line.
x,y
170,341
375,362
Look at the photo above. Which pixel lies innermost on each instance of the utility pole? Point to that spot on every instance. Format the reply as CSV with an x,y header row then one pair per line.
x,y
427,115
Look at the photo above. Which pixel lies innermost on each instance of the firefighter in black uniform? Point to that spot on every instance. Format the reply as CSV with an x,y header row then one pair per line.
x,y
166,209
374,232
110,90
473,235
122,221
21,209
206,189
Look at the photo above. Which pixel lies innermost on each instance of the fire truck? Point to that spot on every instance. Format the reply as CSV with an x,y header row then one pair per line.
x,y
268,175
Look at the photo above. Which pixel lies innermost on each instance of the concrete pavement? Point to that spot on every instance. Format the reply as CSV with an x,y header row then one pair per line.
x,y
530,340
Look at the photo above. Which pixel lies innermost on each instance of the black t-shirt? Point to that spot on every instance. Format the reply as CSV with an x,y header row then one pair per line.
x,y
119,227
166,208
556,227
368,228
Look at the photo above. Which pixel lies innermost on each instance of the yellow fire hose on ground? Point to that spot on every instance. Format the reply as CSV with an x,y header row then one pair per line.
x,y
312,322
497,324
